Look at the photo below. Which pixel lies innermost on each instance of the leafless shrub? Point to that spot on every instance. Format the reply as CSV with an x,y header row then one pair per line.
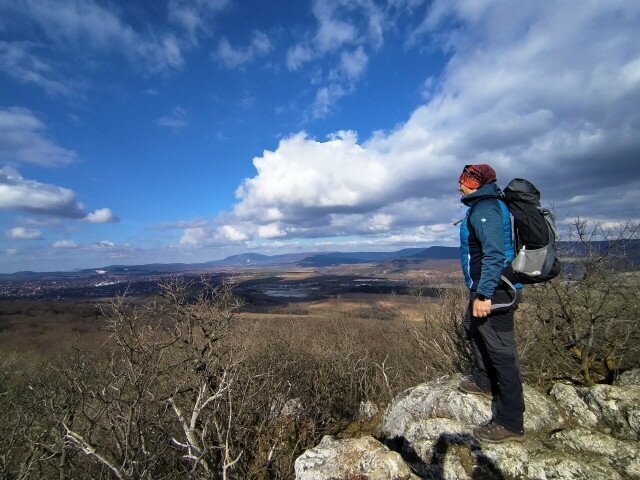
x,y
440,335
583,325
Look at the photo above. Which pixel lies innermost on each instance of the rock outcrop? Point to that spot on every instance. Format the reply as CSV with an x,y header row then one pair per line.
x,y
358,459
572,433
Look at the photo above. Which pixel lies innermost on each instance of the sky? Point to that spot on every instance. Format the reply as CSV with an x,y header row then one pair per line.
x,y
188,130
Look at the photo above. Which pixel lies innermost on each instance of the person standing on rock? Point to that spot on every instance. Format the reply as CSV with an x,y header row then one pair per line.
x,y
487,248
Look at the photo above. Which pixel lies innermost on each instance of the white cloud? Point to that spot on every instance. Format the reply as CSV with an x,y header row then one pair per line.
x,y
105,244
195,16
298,55
18,61
11,251
524,90
340,35
22,233
234,57
176,120
231,233
272,230
192,237
354,63
102,215
332,32
18,193
23,139
65,244
94,27
326,97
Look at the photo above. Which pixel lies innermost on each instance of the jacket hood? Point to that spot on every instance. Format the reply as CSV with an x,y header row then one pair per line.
x,y
490,190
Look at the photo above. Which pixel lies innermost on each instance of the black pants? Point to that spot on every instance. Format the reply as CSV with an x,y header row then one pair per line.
x,y
496,365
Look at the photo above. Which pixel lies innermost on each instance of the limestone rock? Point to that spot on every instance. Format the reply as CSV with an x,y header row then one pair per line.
x,y
617,453
617,407
629,378
357,459
432,424
568,398
442,399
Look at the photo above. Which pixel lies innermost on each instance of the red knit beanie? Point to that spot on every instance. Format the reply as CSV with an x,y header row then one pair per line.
x,y
476,176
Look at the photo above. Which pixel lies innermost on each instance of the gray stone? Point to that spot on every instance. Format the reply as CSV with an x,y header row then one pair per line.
x,y
628,378
559,466
435,422
512,459
568,398
622,455
362,458
616,407
442,399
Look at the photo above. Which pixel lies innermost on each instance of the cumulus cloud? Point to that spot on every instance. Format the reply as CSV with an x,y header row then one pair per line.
x,y
524,90
272,230
176,120
22,233
234,57
231,233
23,139
102,215
70,244
18,193
213,235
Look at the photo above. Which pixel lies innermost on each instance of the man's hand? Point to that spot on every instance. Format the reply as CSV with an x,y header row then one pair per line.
x,y
481,308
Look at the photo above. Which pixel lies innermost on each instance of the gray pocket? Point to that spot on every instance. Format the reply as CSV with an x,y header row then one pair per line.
x,y
530,262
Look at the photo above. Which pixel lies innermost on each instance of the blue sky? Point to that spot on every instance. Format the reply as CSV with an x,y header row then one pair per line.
x,y
188,130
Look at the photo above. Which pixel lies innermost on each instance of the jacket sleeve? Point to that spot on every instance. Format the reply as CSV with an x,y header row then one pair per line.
x,y
486,220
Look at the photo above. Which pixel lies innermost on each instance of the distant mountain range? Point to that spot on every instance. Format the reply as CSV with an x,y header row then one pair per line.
x,y
249,260
629,250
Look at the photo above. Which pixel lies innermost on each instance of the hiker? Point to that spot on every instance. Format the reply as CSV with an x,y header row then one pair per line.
x,y
486,250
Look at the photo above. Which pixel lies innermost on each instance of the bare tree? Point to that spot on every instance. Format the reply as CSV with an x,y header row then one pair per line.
x,y
590,314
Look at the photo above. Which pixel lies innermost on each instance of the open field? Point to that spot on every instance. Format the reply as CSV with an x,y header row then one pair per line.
x,y
48,327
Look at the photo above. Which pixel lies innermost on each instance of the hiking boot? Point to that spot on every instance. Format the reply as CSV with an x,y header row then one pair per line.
x,y
467,385
493,432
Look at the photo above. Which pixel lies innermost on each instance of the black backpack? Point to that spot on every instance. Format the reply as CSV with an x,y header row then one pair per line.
x,y
536,259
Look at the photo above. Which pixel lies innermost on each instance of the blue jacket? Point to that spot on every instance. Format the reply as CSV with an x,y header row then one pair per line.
x,y
486,244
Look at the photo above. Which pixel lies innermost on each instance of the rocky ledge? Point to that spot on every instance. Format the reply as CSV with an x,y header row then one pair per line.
x,y
571,433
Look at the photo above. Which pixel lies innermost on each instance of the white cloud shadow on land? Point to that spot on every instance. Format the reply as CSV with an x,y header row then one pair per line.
x,y
23,139
530,87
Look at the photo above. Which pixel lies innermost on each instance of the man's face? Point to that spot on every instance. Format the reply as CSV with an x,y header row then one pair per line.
x,y
464,190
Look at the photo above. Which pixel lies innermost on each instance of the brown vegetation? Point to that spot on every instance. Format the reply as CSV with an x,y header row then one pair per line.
x,y
185,386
